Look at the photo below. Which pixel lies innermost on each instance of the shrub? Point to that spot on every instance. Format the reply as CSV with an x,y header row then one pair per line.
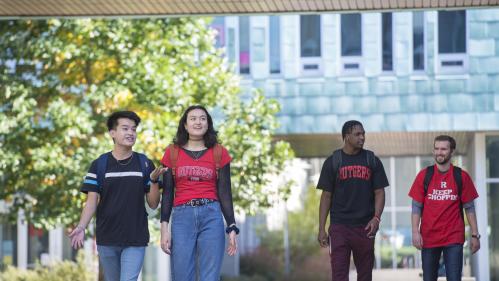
x,y
60,271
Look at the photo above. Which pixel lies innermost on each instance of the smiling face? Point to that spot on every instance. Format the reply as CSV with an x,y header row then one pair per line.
x,y
125,132
442,152
196,124
356,137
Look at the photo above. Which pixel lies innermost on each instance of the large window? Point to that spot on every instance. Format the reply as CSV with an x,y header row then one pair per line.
x,y
452,41
8,246
418,47
310,44
275,44
310,34
351,43
387,41
219,25
244,45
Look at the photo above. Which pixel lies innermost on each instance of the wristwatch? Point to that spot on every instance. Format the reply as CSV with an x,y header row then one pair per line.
x,y
477,236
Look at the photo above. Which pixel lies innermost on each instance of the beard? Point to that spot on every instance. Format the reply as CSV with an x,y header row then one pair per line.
x,y
443,161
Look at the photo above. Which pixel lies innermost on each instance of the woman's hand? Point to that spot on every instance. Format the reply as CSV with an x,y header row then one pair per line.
x,y
166,238
232,248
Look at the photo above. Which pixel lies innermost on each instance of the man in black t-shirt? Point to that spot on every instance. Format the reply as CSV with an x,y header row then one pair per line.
x,y
116,184
352,181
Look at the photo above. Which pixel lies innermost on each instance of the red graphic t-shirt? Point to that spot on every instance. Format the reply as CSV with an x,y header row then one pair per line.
x,y
195,178
441,223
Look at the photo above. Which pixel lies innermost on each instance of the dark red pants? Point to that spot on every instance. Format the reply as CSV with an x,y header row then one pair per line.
x,y
344,241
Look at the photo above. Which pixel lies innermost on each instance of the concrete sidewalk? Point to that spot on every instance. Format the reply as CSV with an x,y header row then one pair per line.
x,y
399,274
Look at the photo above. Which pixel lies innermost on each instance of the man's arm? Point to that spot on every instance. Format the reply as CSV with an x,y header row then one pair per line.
x,y
324,207
471,216
417,240
152,197
77,235
379,204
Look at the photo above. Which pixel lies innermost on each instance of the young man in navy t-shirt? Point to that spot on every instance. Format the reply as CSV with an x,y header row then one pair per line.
x,y
115,189
352,182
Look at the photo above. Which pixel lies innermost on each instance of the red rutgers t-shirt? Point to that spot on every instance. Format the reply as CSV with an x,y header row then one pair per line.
x,y
441,223
195,178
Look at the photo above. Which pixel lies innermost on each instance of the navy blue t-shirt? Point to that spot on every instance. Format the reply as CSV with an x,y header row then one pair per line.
x,y
353,197
121,213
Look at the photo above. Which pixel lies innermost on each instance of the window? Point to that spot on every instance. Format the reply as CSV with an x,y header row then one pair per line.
x,y
351,43
310,44
387,41
418,48
275,44
219,25
452,41
244,45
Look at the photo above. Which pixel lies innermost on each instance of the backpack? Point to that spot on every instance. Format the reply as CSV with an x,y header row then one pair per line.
x,y
174,150
102,165
337,161
458,178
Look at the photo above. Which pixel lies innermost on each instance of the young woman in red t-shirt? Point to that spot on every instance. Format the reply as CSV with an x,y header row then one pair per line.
x,y
199,193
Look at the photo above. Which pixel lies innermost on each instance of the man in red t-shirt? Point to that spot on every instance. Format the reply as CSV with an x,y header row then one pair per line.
x,y
437,220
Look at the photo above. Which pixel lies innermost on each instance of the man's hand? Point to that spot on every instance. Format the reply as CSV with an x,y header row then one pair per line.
x,y
417,240
232,247
323,238
475,245
77,237
158,171
372,227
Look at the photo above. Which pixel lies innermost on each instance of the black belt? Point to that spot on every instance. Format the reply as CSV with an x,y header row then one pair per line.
x,y
198,202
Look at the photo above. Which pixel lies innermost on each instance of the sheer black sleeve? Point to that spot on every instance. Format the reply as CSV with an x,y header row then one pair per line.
x,y
225,194
167,198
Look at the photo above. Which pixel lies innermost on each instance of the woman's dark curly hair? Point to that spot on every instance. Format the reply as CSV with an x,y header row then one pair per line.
x,y
182,136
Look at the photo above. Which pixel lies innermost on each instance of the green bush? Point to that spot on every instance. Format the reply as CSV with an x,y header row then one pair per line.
x,y
60,271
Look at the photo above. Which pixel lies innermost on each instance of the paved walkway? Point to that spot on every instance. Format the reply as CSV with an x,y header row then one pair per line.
x,y
392,275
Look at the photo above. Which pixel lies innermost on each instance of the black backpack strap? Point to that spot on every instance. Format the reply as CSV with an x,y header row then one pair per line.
x,y
101,169
427,179
337,159
371,160
144,168
458,178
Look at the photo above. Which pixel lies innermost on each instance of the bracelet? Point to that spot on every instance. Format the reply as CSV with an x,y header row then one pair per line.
x,y
154,181
377,218
231,228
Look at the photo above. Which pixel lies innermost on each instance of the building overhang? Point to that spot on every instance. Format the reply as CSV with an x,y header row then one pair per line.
x,y
161,8
382,143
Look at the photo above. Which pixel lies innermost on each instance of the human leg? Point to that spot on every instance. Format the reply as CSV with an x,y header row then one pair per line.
x,y
109,258
363,253
132,259
211,241
184,235
453,260
430,258
340,251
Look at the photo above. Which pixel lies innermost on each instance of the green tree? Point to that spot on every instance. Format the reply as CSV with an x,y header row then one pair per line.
x,y
60,79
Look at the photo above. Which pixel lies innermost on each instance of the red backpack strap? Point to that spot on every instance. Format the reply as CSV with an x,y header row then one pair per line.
x,y
173,157
217,156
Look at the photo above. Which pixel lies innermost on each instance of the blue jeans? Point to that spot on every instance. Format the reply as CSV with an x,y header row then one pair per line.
x,y
121,263
453,260
198,241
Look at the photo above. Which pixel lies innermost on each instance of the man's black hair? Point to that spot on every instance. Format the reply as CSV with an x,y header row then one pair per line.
x,y
450,139
348,127
112,121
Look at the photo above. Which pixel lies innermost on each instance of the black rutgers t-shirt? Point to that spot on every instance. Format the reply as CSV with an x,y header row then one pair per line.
x,y
121,213
353,197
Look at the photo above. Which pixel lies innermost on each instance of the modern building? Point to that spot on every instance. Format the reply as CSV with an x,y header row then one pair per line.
x,y
408,76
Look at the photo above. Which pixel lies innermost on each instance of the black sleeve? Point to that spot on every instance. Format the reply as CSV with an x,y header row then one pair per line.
x,y
167,198
225,194
90,183
326,178
379,176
